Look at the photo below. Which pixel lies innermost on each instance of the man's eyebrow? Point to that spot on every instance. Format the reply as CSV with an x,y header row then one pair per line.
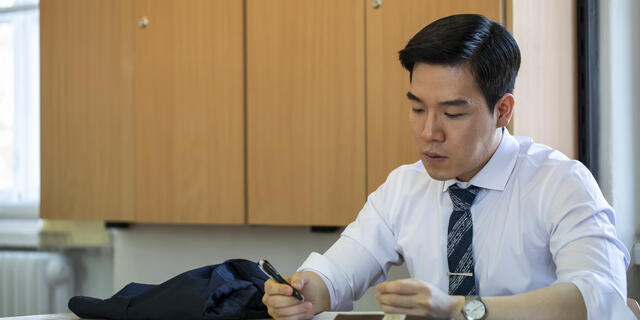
x,y
455,102
413,97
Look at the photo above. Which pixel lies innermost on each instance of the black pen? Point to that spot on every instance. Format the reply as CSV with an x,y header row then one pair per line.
x,y
273,274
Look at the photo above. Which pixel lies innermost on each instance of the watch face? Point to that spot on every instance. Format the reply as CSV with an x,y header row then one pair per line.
x,y
474,309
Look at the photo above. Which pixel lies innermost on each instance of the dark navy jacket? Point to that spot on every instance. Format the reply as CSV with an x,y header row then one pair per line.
x,y
231,290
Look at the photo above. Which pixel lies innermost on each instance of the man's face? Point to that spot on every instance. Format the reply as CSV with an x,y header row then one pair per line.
x,y
454,131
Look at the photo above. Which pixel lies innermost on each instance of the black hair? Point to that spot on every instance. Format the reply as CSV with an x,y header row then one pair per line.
x,y
489,49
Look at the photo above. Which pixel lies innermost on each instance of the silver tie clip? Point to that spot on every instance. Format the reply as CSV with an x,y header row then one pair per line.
x,y
464,274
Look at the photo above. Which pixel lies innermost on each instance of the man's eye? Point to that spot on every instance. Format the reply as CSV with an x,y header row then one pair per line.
x,y
454,115
417,110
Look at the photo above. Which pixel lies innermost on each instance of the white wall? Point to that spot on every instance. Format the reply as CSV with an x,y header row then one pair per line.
x,y
619,119
93,269
155,253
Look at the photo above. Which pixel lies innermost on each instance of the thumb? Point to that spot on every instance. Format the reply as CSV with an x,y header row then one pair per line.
x,y
299,279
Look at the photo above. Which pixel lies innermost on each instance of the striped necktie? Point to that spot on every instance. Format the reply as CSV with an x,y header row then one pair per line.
x,y
459,252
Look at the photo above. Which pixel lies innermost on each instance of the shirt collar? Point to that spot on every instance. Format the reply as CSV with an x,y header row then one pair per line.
x,y
495,174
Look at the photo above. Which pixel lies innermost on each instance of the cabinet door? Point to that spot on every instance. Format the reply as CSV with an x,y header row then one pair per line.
x,y
305,111
389,28
87,109
189,112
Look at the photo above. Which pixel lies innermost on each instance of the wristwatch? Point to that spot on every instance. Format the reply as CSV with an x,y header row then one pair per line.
x,y
474,308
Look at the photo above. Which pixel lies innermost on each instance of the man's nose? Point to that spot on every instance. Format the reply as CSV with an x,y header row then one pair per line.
x,y
432,130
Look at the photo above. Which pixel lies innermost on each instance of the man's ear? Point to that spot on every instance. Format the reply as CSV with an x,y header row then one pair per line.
x,y
503,110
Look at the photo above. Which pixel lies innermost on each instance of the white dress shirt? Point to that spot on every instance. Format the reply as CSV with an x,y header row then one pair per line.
x,y
539,219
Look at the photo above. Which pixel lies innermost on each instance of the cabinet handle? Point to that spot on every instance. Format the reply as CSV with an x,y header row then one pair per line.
x,y
376,3
143,22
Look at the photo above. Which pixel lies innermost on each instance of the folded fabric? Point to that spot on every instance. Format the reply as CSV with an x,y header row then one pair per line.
x,y
231,290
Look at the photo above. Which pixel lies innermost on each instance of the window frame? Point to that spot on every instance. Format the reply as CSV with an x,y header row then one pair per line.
x,y
24,15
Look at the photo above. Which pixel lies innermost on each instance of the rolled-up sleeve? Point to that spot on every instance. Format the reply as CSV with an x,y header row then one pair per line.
x,y
347,270
360,258
585,247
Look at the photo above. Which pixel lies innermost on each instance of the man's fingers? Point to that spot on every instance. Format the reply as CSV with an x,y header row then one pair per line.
x,y
272,288
402,287
396,300
279,301
298,280
297,311
281,305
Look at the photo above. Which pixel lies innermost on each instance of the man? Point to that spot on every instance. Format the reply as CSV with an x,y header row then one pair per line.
x,y
490,226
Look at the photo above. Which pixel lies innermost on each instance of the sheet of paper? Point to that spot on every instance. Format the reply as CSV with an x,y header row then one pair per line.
x,y
360,315
333,315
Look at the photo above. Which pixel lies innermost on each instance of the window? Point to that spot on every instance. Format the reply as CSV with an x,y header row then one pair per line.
x,y
19,109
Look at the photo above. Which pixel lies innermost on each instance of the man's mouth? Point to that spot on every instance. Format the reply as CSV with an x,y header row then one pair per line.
x,y
433,157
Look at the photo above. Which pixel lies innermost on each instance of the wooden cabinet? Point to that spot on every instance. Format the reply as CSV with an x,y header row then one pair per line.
x,y
87,115
305,111
140,123
546,87
306,103
151,123
389,28
294,71
189,112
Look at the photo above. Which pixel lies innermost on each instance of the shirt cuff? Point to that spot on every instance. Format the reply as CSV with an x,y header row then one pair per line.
x,y
324,268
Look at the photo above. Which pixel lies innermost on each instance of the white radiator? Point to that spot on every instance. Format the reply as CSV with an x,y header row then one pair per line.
x,y
34,283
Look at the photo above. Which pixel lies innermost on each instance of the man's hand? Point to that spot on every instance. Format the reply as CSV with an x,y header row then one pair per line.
x,y
414,297
281,305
